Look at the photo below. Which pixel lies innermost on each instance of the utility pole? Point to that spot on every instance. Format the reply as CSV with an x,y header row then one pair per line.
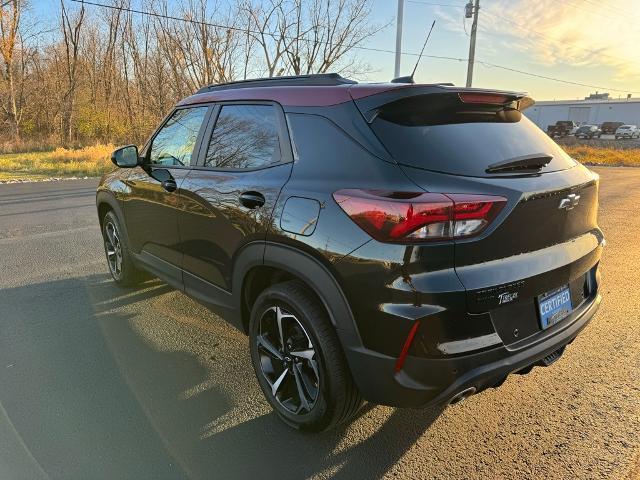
x,y
470,9
396,73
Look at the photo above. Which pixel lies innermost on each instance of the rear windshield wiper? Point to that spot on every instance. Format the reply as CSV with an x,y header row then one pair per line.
x,y
532,162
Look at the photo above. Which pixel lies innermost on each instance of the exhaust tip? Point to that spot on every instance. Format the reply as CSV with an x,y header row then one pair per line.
x,y
460,396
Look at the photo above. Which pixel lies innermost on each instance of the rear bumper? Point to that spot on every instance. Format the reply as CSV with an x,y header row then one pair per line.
x,y
431,381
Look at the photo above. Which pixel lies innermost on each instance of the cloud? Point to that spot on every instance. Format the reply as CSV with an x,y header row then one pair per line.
x,y
585,33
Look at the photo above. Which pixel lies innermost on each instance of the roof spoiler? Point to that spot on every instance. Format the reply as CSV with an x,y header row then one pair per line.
x,y
370,105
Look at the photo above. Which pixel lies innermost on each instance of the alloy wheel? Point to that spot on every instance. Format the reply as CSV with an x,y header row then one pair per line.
x,y
288,360
113,247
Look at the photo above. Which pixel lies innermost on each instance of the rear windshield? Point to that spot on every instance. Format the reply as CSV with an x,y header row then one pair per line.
x,y
440,133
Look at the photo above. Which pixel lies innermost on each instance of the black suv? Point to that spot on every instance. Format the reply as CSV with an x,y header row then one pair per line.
x,y
406,244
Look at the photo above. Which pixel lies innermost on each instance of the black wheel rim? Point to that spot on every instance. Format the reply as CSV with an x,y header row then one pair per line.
x,y
288,361
113,247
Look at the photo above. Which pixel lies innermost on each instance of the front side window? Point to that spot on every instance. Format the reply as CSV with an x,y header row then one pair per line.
x,y
245,136
174,143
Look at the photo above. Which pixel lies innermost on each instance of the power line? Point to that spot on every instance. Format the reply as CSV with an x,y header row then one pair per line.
x,y
522,27
453,5
614,14
255,32
542,35
371,49
515,70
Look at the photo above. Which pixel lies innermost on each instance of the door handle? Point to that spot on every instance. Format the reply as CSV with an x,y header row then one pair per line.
x,y
252,199
169,185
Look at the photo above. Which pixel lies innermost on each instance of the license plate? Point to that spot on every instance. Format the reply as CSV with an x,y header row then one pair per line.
x,y
554,306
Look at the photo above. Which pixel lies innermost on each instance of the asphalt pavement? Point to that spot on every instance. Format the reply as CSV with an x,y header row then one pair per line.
x,y
102,382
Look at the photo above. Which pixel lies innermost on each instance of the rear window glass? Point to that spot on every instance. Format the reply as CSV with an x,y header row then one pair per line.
x,y
440,133
245,136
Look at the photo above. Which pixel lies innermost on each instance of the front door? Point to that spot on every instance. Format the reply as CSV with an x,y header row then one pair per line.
x,y
227,201
151,208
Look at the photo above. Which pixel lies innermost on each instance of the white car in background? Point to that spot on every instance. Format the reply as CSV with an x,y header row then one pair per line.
x,y
628,131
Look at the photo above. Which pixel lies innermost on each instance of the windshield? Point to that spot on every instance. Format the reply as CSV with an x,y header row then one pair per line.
x,y
440,133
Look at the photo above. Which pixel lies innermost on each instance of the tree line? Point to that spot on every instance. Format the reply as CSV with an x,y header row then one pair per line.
x,y
109,74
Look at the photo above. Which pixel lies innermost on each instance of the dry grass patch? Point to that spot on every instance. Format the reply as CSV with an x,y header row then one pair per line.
x,y
95,160
88,161
604,156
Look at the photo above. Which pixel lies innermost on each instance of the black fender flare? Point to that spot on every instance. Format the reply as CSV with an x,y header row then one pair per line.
x,y
310,270
106,197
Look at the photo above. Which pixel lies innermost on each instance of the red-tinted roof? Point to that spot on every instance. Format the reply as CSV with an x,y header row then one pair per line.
x,y
321,95
299,96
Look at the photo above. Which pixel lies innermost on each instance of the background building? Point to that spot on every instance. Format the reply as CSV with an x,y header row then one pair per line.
x,y
596,109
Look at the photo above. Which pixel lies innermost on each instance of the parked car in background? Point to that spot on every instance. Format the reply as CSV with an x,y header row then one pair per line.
x,y
609,128
628,131
561,128
588,131
388,241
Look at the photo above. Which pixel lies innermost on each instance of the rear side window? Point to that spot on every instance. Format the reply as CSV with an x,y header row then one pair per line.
x,y
245,136
438,132
173,144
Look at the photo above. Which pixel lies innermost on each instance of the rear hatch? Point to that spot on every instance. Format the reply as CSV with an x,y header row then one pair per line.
x,y
479,142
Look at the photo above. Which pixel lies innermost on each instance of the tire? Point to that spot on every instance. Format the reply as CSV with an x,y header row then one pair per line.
x,y
116,249
305,360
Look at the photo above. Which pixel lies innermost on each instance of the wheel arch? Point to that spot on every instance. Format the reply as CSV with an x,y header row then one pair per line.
x,y
260,265
105,202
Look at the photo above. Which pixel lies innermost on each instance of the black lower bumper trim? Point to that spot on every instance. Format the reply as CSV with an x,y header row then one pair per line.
x,y
432,381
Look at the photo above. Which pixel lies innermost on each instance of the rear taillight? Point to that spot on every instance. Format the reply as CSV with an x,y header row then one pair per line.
x,y
416,217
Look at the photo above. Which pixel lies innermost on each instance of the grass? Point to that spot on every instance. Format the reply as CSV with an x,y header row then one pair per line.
x,y
95,160
90,161
604,156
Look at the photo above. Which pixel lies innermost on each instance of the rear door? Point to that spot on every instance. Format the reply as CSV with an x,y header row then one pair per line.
x,y
151,205
544,238
228,199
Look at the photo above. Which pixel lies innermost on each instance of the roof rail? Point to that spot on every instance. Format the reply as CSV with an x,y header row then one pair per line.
x,y
317,79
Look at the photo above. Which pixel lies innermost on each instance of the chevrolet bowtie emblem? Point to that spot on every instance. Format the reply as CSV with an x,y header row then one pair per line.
x,y
569,202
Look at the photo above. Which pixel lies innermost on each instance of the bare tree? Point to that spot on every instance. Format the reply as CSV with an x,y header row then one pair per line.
x,y
10,13
71,29
109,74
269,26
311,36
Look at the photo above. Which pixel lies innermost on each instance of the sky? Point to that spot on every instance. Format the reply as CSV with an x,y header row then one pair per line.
x,y
592,42
584,41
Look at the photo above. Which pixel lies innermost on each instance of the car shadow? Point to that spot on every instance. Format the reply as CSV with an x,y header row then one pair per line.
x,y
96,383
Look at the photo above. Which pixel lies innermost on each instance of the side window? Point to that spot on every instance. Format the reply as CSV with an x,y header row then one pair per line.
x,y
173,144
245,136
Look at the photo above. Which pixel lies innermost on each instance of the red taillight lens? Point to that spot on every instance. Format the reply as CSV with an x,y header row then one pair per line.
x,y
414,217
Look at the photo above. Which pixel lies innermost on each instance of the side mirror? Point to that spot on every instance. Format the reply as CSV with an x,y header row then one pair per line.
x,y
126,157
